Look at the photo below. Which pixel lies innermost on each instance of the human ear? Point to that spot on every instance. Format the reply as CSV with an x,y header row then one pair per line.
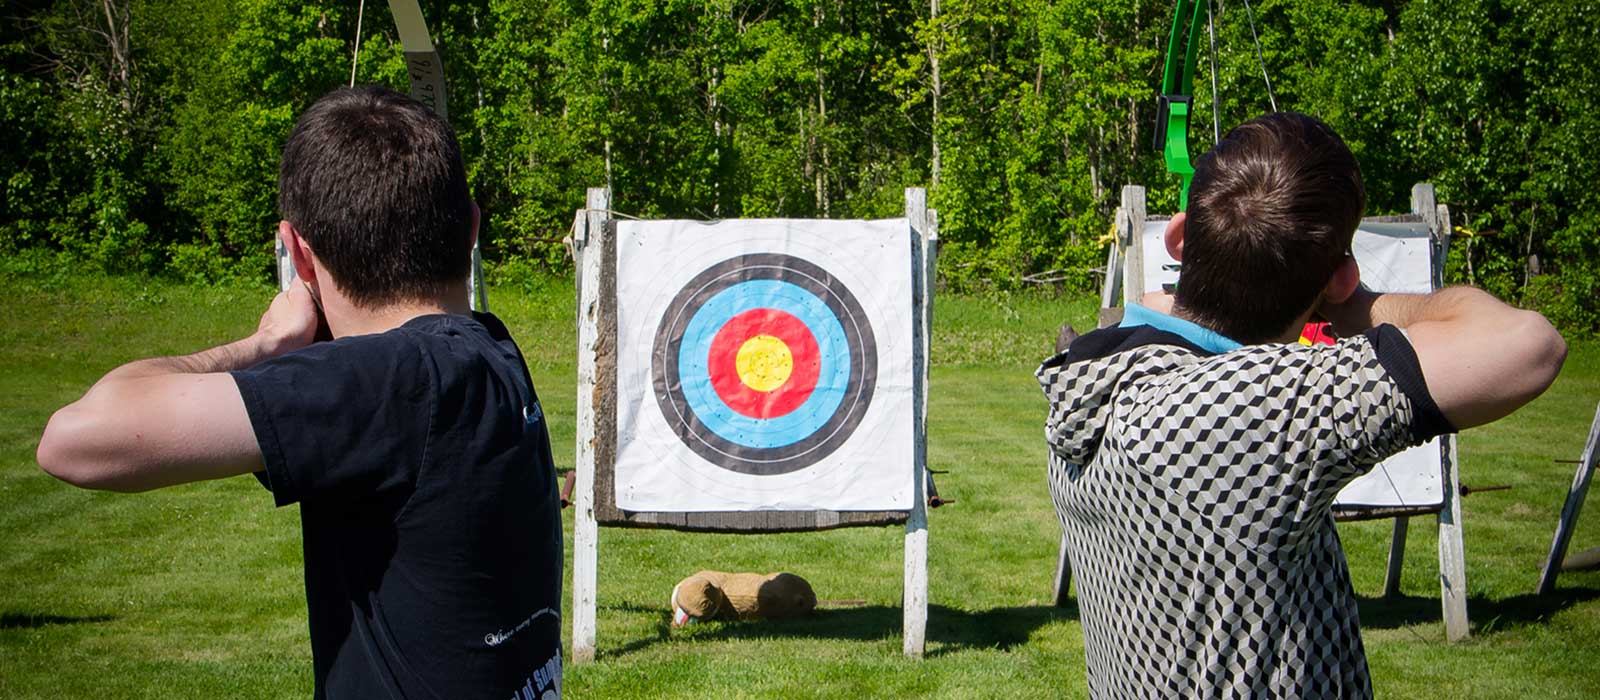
x,y
1174,235
1346,278
299,253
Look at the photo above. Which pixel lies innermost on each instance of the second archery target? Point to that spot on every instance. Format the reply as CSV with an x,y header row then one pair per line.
x,y
764,364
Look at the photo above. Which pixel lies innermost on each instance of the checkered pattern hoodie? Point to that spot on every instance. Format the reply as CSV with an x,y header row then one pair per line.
x,y
1196,490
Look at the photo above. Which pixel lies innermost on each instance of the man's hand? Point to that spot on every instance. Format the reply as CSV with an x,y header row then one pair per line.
x,y
291,321
1158,301
1351,317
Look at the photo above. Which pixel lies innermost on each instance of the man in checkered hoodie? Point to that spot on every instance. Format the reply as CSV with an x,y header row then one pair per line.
x,y
1196,448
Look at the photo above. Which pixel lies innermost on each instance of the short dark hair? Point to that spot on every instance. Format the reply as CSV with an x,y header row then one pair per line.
x,y
374,183
1272,209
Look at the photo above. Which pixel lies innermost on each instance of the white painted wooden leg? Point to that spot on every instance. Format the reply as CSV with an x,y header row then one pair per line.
x,y
1063,574
1572,507
1397,556
1452,556
585,532
915,599
585,562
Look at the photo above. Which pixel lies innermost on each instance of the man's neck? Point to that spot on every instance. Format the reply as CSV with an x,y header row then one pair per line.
x,y
346,319
1291,334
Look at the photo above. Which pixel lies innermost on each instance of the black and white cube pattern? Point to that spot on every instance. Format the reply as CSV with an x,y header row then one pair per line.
x,y
1195,494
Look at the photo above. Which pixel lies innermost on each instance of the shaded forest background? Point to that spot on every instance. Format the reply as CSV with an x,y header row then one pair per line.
x,y
143,135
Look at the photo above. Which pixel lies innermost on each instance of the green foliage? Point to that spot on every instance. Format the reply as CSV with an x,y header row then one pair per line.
x,y
1024,119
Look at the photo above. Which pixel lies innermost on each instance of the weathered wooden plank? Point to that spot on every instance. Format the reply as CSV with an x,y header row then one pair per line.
x,y
1571,508
585,534
781,519
826,520
1063,582
755,521
1452,555
1452,552
1113,280
1394,219
1132,217
1111,317
1351,515
924,238
1397,557
605,388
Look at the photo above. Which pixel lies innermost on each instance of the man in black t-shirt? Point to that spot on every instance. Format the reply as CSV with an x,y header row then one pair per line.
x,y
412,439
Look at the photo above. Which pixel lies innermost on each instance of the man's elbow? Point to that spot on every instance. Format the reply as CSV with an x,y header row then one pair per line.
x,y
67,452
1544,351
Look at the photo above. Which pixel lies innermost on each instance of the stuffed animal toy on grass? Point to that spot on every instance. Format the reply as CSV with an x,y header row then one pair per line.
x,y
714,595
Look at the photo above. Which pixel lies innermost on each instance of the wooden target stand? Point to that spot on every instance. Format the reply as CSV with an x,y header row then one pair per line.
x,y
1570,509
1125,272
594,493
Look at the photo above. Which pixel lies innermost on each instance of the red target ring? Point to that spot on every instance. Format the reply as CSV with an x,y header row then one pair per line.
x,y
802,363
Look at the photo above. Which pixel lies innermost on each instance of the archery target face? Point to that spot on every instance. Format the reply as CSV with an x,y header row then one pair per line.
x,y
764,365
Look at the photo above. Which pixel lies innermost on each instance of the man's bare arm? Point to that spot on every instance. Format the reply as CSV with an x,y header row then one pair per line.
x,y
1481,358
171,420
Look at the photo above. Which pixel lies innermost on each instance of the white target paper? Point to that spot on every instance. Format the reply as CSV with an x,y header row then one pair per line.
x,y
1393,257
764,365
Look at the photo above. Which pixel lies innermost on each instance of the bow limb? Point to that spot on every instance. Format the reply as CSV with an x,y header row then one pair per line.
x,y
1176,98
425,71
423,67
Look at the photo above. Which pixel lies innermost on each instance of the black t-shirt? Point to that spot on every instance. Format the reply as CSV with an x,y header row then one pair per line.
x,y
428,504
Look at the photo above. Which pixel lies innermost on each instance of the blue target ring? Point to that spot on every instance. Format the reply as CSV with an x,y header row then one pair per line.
x,y
734,440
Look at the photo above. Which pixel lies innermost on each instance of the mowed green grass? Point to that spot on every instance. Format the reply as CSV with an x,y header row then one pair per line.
x,y
197,590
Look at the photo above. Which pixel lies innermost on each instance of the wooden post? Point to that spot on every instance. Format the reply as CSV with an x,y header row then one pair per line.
x,y
585,532
1113,281
1133,252
1570,509
1397,556
1425,205
924,241
1063,582
1452,553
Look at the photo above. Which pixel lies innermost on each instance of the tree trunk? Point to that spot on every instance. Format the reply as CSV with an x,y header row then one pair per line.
x,y
119,70
935,48
823,205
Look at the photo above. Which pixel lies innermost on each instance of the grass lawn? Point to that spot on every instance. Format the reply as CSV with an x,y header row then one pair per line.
x,y
197,590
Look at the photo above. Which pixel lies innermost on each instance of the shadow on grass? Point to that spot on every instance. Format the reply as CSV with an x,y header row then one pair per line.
x,y
1485,614
28,621
954,629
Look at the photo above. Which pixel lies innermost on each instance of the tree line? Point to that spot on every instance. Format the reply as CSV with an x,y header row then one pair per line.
x,y
143,135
